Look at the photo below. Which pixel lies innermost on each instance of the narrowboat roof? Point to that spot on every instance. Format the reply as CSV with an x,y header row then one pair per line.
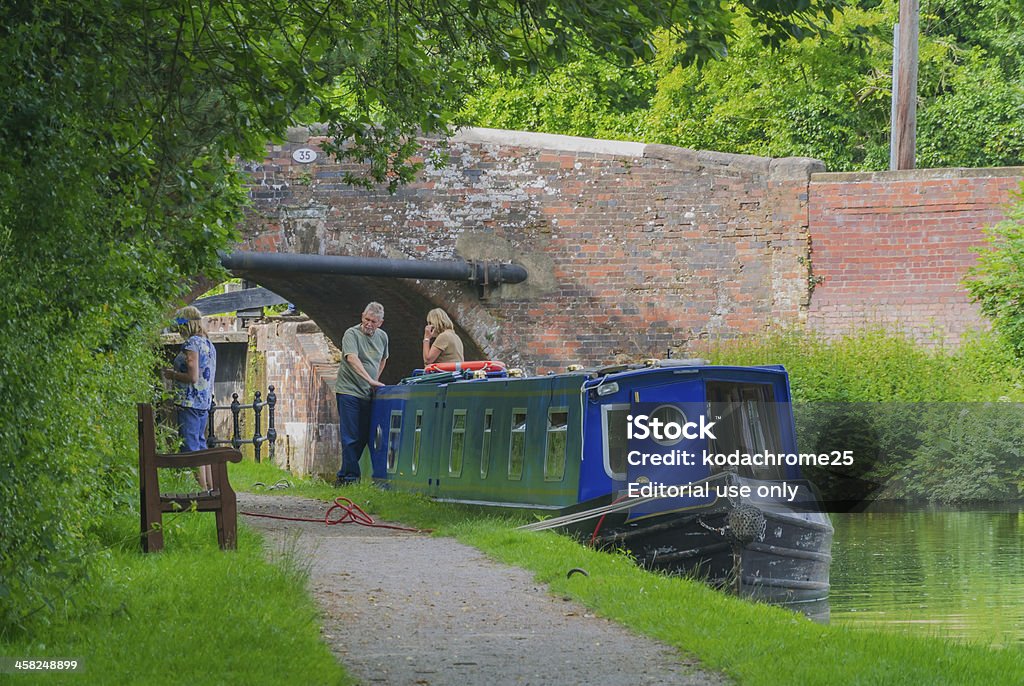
x,y
593,376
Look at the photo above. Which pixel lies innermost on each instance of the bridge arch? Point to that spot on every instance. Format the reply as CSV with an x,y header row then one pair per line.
x,y
335,303
632,250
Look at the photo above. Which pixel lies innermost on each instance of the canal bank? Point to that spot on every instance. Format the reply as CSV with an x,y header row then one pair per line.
x,y
408,608
750,643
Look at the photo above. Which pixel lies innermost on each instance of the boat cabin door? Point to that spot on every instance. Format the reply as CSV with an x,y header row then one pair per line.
x,y
667,434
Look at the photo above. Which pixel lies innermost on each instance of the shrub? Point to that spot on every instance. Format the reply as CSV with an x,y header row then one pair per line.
x,y
996,282
921,422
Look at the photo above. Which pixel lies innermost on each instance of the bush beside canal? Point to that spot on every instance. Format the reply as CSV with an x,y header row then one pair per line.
x,y
922,423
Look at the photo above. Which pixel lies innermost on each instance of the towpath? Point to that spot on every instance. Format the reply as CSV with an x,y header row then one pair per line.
x,y
405,608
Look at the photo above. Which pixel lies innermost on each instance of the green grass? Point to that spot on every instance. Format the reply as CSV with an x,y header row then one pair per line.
x,y
191,614
149,618
877,365
753,643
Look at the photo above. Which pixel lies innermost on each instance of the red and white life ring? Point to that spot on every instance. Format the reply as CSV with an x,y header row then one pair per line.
x,y
472,366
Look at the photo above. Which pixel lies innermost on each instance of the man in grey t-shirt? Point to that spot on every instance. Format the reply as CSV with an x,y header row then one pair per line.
x,y
364,352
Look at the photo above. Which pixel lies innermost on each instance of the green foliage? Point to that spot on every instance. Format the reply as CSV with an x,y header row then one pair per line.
x,y
967,453
923,423
996,282
992,25
875,365
588,97
827,96
65,439
824,98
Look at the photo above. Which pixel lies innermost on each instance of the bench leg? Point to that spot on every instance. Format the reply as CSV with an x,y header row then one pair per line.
x,y
152,526
150,515
227,524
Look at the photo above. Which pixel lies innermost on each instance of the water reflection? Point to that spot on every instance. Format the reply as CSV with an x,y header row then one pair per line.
x,y
932,571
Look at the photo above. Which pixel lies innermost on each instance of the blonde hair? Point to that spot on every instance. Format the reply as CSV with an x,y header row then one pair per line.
x,y
194,324
439,319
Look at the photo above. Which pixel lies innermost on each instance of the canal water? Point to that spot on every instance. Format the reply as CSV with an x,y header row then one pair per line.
x,y
931,571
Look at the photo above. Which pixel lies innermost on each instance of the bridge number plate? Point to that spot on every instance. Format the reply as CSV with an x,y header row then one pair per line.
x,y
304,155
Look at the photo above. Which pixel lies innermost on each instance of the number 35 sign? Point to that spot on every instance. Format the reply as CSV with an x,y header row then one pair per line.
x,y
304,155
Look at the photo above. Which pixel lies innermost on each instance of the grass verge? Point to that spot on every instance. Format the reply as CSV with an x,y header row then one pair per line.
x,y
753,643
194,614
191,614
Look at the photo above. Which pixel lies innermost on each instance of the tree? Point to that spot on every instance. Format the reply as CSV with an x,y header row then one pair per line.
x,y
120,122
826,97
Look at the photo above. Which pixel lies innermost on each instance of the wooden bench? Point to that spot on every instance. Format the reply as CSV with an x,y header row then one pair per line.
x,y
221,500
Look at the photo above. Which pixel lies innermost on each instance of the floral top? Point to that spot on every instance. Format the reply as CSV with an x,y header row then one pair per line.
x,y
199,394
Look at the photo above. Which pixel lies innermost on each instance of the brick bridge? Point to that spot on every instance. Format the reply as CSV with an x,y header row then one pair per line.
x,y
632,250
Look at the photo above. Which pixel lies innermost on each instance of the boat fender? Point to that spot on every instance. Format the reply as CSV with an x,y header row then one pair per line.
x,y
576,570
746,523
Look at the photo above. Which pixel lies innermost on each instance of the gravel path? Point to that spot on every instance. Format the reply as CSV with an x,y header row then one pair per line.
x,y
405,608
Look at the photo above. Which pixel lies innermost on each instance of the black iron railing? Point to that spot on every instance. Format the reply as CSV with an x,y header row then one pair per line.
x,y
257,440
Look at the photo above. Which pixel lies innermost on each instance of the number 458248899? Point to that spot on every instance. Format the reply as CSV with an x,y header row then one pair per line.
x,y
12,665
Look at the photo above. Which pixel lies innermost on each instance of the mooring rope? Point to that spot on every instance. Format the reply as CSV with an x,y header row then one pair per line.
x,y
575,517
349,513
621,503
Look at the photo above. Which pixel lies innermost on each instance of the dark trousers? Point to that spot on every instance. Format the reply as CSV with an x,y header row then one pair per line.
x,y
354,424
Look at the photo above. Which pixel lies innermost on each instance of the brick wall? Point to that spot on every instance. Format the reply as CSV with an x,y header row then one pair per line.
x,y
301,364
892,248
632,250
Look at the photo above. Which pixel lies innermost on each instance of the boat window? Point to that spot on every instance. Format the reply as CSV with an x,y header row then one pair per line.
x,y
394,436
746,420
517,445
485,447
416,440
458,443
554,456
613,429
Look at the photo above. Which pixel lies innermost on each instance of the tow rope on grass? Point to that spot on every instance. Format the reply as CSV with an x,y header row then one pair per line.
x,y
349,513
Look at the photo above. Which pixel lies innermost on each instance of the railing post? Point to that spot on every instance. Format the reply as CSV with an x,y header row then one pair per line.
x,y
210,435
271,431
236,435
257,440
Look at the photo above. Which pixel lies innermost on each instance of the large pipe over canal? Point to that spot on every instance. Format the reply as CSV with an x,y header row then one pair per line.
x,y
480,273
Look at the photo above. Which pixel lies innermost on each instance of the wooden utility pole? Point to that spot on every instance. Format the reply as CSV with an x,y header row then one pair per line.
x,y
904,90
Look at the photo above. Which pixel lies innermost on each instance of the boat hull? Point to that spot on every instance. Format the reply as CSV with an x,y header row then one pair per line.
x,y
785,561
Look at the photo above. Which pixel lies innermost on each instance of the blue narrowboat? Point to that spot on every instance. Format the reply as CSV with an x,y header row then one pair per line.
x,y
691,467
